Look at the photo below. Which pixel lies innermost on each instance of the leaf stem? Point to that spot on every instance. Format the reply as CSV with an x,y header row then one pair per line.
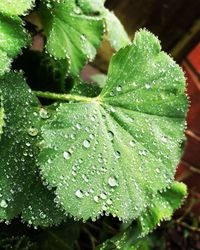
x,y
62,97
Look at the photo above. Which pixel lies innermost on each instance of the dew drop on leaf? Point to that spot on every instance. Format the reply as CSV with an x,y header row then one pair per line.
x,y
3,204
111,134
86,143
103,196
132,143
66,155
79,193
32,131
44,114
112,181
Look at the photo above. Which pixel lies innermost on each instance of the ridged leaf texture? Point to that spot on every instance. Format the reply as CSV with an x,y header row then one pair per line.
x,y
13,7
21,189
70,33
12,39
116,152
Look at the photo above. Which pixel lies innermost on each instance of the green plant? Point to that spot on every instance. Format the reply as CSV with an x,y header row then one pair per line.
x,y
88,150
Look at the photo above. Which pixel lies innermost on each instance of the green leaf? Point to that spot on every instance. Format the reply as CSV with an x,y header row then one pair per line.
x,y
113,153
20,186
116,33
19,7
12,39
17,157
100,79
40,207
70,33
162,207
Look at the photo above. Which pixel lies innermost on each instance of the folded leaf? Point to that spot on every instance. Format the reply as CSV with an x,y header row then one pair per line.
x,y
70,33
114,152
12,39
13,7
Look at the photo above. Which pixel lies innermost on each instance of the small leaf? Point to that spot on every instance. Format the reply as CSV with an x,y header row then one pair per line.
x,y
100,79
113,153
71,34
13,7
162,207
12,39
116,33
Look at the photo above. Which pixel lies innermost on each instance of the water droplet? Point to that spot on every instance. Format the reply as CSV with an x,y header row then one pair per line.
x,y
147,86
66,155
86,143
3,204
79,193
96,198
112,181
111,135
32,131
78,126
142,153
103,196
119,88
117,154
132,143
44,114
109,202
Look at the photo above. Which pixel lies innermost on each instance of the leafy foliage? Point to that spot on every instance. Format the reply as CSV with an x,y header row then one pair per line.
x,y
116,33
20,185
71,34
128,164
107,148
12,39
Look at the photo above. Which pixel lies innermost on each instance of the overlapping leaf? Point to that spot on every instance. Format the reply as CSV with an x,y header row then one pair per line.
x,y
71,34
113,153
20,186
13,7
12,39
161,208
116,33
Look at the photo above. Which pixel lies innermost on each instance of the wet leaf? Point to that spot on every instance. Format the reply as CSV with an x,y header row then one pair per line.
x,y
117,35
113,153
12,39
20,186
162,207
70,33
13,7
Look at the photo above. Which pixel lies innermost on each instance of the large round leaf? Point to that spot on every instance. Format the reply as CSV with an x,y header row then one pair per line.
x,y
113,153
